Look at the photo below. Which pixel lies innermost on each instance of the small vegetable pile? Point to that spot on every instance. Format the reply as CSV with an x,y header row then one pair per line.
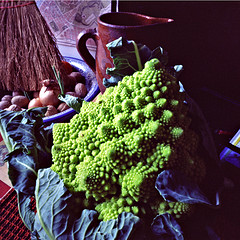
x,y
114,149
74,85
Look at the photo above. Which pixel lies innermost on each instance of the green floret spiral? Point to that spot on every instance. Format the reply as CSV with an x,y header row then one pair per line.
x,y
177,209
114,149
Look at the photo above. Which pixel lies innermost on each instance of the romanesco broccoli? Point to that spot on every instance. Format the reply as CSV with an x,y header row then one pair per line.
x,y
114,149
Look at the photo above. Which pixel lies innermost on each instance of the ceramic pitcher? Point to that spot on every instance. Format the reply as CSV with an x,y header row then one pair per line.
x,y
151,31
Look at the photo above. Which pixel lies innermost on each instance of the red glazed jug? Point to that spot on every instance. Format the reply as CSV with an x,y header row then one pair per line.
x,y
151,31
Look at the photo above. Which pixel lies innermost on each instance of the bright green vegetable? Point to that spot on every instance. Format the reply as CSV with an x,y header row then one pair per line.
x,y
114,149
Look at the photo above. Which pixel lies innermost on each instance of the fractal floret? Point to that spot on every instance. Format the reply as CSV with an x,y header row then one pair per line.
x,y
114,149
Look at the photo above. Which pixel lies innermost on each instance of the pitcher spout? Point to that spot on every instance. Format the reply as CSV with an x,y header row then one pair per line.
x,y
154,20
130,19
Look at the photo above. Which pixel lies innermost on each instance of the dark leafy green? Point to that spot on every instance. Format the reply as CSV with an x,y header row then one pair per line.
x,y
29,146
200,123
175,187
73,102
176,70
165,227
55,220
17,127
22,171
26,212
129,57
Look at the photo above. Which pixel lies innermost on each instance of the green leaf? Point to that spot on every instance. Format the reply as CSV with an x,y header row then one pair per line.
x,y
174,186
71,101
121,228
160,54
129,57
55,218
175,70
112,81
165,227
29,146
51,200
22,171
16,127
25,210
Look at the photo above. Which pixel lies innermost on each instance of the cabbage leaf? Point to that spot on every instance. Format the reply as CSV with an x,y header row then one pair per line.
x,y
129,57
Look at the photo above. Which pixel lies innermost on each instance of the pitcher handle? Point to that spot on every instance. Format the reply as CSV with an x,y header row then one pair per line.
x,y
82,47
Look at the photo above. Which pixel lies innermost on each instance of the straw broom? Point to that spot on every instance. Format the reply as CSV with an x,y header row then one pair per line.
x,y
28,49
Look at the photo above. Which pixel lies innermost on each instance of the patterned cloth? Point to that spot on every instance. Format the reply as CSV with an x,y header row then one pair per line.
x,y
11,224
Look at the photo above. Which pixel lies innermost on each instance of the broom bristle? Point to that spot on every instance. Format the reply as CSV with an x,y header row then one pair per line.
x,y
28,47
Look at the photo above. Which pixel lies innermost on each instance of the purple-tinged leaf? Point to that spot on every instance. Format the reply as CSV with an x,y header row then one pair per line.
x,y
176,187
165,227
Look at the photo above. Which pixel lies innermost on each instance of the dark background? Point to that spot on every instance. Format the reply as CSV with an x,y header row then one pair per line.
x,y
207,37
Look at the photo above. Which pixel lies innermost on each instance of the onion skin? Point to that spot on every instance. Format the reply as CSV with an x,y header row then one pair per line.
x,y
49,92
35,102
